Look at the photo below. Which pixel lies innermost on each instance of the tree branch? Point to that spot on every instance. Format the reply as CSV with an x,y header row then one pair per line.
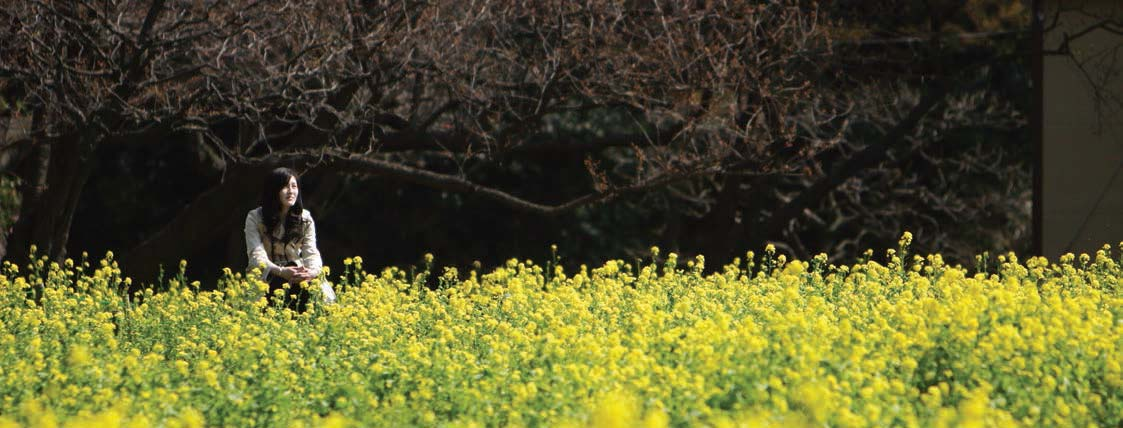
x,y
342,161
866,158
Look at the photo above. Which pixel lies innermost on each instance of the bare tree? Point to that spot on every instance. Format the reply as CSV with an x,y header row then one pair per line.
x,y
376,87
750,114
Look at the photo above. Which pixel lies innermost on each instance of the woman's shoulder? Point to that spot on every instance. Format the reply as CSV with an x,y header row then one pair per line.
x,y
306,215
254,214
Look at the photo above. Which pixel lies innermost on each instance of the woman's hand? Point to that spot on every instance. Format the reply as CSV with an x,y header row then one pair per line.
x,y
295,274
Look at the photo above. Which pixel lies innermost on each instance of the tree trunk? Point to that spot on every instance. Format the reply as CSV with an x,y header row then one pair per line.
x,y
716,234
33,183
32,172
70,169
53,179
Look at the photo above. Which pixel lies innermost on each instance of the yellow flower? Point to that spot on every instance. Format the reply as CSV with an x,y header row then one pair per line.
x,y
189,418
79,356
615,410
656,418
906,239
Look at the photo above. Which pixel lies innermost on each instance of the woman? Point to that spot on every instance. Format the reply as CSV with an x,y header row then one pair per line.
x,y
281,240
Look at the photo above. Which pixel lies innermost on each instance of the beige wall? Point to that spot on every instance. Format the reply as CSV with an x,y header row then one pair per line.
x,y
1082,158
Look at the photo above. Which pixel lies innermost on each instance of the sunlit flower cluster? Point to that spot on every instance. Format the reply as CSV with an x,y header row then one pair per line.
x,y
760,342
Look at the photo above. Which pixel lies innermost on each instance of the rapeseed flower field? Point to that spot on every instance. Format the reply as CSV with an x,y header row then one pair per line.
x,y
762,341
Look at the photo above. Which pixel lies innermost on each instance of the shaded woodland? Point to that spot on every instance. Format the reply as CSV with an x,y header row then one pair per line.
x,y
481,131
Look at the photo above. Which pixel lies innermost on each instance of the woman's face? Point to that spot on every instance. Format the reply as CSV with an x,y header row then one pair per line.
x,y
288,194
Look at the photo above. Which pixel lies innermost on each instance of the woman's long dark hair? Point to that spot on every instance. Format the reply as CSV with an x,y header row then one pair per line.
x,y
271,205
